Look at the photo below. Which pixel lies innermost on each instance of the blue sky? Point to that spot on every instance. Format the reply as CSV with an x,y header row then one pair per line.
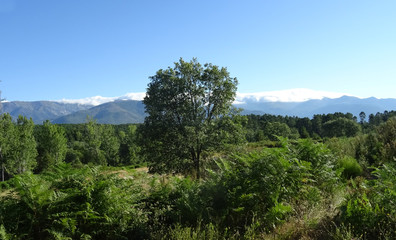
x,y
75,49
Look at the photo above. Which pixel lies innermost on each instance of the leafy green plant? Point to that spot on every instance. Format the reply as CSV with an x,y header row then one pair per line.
x,y
263,185
323,163
73,203
350,167
371,210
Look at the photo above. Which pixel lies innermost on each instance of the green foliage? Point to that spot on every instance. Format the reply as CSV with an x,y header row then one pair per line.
x,y
260,186
94,144
350,167
3,234
371,210
186,105
275,129
92,139
17,145
71,203
322,160
321,125
387,136
51,145
341,127
129,149
190,233
345,146
25,152
370,150
244,194
110,145
102,144
7,140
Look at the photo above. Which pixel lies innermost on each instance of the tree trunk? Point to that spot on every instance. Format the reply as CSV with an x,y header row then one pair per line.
x,y
197,163
2,166
197,168
195,160
2,172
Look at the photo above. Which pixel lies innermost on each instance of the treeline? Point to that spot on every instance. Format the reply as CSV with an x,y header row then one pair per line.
x,y
25,146
267,127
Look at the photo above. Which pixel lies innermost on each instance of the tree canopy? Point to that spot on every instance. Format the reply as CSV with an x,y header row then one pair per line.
x,y
188,107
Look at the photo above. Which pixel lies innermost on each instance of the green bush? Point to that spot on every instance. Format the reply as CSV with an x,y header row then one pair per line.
x,y
261,186
73,203
322,161
370,209
350,167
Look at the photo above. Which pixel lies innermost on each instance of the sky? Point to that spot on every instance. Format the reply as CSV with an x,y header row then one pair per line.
x,y
51,50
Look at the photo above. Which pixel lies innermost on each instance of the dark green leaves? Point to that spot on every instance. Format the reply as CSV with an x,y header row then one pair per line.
x,y
184,106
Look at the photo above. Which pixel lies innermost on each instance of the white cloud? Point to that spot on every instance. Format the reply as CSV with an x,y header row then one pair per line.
x,y
97,100
291,95
133,96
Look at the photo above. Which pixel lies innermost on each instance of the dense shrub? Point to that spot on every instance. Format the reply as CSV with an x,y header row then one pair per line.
x,y
341,127
387,136
70,203
322,161
350,167
370,209
261,186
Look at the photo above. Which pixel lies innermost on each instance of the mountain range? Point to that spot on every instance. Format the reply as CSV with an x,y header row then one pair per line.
x,y
309,108
40,111
117,112
132,111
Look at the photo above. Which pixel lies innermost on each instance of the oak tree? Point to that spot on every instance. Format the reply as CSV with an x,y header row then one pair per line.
x,y
188,113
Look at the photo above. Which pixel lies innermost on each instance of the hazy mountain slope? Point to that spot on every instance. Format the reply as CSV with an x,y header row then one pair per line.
x,y
309,108
118,112
40,111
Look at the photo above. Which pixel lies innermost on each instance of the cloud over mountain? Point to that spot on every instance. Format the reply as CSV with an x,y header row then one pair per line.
x,y
98,100
291,95
130,109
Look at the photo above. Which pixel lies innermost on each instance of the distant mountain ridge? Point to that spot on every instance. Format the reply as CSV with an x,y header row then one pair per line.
x,y
309,108
288,95
117,112
40,111
133,111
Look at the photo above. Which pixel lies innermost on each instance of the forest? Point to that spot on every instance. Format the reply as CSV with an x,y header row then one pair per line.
x,y
197,169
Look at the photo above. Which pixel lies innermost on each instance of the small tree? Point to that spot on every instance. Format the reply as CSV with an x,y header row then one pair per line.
x,y
128,146
23,152
185,105
341,127
7,139
387,137
92,141
51,145
275,129
110,145
362,117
